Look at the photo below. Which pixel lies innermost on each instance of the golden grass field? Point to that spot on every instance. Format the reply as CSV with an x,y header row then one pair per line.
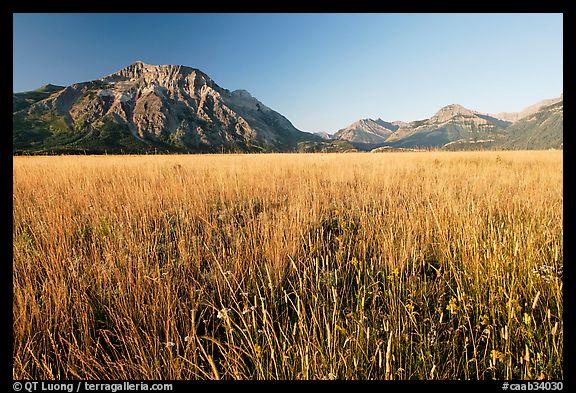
x,y
431,265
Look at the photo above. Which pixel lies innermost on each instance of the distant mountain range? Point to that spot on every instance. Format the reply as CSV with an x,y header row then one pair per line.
x,y
146,108
454,127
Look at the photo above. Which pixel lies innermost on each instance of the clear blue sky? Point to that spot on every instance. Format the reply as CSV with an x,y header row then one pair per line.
x,y
322,71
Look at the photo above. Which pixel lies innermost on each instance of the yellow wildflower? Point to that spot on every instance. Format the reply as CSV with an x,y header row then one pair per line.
x,y
452,306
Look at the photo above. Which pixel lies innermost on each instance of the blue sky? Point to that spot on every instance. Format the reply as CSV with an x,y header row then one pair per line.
x,y
322,71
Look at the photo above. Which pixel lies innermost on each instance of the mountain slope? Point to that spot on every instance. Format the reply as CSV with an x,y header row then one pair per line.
x,y
540,130
144,108
25,99
530,110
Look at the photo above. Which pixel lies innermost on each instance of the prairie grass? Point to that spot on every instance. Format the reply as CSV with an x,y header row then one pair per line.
x,y
323,266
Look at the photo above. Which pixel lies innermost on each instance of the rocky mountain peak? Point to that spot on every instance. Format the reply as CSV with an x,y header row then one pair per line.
x,y
449,111
371,123
363,122
49,87
163,75
366,131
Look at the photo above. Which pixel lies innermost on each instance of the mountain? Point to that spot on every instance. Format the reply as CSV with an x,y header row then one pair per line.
x,y
451,123
515,116
145,108
367,132
540,130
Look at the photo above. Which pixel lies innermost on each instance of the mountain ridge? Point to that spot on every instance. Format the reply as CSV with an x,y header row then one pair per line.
x,y
527,111
175,108
455,127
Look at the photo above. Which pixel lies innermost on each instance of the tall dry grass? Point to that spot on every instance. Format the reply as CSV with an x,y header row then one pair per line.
x,y
349,266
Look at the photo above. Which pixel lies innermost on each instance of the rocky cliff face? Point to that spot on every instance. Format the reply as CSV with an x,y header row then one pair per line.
x,y
146,106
